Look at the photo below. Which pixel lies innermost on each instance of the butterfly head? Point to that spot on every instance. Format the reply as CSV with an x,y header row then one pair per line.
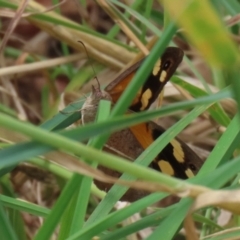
x,y
90,106
98,94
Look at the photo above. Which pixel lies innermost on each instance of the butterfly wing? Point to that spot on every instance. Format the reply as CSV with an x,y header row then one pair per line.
x,y
176,159
162,72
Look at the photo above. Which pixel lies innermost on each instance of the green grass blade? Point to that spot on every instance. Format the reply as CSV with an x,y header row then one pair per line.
x,y
53,219
216,111
27,150
214,180
103,223
24,206
138,16
14,216
6,229
85,187
222,150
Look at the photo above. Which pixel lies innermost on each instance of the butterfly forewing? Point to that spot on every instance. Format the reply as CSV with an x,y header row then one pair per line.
x,y
162,72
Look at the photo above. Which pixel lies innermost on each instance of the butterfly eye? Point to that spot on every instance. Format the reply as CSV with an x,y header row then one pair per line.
x,y
167,65
192,167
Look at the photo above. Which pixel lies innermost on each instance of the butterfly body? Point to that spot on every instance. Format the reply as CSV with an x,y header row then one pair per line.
x,y
176,159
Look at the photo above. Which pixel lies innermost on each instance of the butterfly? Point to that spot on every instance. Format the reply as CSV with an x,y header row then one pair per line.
x,y
177,158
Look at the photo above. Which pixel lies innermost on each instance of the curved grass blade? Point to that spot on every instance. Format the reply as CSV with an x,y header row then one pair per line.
x,y
15,154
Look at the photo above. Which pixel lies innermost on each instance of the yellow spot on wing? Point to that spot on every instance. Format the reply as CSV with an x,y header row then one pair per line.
x,y
166,167
157,67
163,76
189,173
177,151
145,98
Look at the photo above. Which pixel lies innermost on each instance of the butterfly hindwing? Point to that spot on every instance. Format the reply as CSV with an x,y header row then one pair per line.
x,y
176,159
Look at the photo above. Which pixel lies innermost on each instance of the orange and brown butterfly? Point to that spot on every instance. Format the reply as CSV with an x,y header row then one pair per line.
x,y
176,159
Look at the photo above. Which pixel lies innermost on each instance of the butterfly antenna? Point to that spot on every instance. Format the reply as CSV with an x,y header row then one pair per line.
x,y
95,77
